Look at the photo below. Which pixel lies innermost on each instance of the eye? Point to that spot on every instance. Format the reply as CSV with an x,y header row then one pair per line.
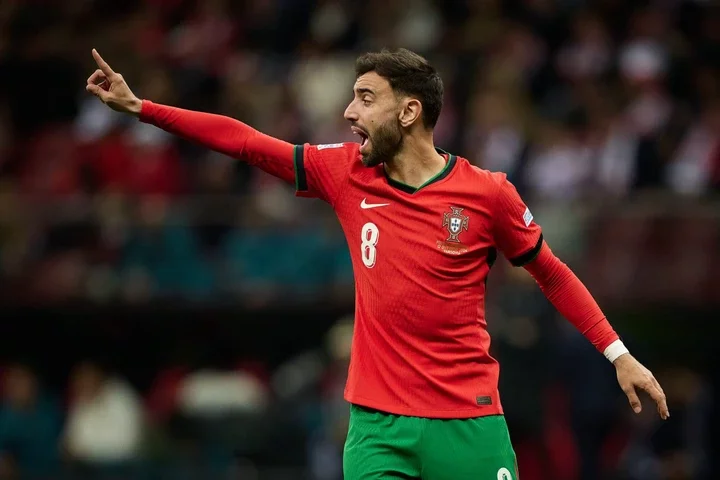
x,y
366,101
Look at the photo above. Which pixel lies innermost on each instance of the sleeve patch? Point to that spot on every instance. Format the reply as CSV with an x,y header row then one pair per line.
x,y
527,217
330,145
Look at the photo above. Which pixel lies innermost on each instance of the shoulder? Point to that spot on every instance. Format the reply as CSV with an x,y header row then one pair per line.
x,y
482,179
348,150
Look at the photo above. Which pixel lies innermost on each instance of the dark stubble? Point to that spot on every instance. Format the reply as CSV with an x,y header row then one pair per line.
x,y
386,143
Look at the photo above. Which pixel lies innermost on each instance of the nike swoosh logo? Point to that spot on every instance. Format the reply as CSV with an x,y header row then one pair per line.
x,y
364,205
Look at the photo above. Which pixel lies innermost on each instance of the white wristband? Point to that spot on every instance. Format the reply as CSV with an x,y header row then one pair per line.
x,y
614,350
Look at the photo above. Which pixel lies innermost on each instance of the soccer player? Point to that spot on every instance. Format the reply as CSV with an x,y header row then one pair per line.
x,y
423,227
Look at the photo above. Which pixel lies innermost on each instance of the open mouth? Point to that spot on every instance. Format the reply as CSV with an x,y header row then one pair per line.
x,y
362,134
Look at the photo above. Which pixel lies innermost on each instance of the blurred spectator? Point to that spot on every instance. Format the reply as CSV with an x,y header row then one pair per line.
x,y
141,161
30,425
219,413
216,212
588,54
696,166
208,393
104,428
560,167
52,166
162,257
204,40
321,84
496,138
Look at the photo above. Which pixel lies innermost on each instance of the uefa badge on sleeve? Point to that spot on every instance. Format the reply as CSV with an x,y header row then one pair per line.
x,y
527,217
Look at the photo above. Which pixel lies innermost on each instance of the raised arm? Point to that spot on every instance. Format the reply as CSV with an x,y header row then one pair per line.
x,y
216,132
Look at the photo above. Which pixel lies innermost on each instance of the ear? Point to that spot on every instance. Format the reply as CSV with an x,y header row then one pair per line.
x,y
410,113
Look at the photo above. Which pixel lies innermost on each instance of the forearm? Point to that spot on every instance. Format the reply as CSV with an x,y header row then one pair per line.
x,y
573,300
225,135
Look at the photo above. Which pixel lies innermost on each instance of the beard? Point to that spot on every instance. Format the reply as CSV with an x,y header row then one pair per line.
x,y
385,143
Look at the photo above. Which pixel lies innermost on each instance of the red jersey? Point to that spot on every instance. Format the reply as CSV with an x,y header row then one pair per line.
x,y
421,258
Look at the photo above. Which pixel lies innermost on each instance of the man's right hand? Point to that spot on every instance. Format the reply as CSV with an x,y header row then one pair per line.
x,y
110,87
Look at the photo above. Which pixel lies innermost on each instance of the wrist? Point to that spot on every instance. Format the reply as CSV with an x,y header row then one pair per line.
x,y
615,350
135,107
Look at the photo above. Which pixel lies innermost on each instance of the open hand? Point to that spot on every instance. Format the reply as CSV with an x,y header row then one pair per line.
x,y
110,87
632,375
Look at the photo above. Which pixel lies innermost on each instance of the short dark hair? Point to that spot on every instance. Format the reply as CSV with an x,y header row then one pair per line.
x,y
408,74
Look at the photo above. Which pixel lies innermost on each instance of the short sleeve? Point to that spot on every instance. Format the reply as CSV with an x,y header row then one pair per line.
x,y
321,170
515,232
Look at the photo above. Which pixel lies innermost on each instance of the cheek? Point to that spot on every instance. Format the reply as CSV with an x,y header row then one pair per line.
x,y
377,114
385,118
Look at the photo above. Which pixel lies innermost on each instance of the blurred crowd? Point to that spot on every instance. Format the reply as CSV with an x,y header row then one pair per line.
x,y
144,408
578,101
573,99
192,420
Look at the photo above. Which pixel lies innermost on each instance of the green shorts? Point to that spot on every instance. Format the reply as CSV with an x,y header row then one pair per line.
x,y
385,446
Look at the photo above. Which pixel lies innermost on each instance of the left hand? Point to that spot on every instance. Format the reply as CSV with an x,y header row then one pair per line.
x,y
111,88
632,375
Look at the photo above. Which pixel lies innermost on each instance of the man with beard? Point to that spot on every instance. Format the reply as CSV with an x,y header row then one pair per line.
x,y
423,227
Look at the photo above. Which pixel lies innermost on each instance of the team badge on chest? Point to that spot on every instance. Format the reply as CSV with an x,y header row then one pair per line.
x,y
455,222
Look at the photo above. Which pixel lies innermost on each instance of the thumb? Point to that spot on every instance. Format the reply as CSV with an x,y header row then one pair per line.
x,y
98,92
633,399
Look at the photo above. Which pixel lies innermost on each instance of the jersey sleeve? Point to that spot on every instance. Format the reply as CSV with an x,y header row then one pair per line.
x,y
515,232
225,135
321,170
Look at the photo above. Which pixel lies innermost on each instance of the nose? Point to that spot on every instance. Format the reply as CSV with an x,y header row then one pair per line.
x,y
350,113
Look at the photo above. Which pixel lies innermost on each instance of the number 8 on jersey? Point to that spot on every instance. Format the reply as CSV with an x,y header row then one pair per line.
x,y
369,239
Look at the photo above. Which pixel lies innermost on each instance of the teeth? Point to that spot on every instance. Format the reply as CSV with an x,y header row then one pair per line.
x,y
363,136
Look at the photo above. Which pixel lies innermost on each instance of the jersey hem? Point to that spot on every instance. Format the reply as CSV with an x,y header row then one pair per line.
x,y
475,412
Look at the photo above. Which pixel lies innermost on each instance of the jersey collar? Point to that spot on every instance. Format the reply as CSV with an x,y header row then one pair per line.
x,y
449,165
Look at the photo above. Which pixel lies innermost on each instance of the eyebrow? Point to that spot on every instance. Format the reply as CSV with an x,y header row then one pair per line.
x,y
360,91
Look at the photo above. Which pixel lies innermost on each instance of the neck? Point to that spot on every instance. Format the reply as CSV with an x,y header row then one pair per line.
x,y
416,163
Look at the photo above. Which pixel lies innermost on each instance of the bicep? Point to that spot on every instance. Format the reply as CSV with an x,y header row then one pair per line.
x,y
271,155
321,170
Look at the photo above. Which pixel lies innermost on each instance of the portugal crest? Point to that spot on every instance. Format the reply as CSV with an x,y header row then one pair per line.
x,y
455,222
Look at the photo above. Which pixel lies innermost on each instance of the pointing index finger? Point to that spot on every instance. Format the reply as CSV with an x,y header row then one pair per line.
x,y
102,64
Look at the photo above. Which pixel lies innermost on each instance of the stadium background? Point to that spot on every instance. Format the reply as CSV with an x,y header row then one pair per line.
x,y
165,312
